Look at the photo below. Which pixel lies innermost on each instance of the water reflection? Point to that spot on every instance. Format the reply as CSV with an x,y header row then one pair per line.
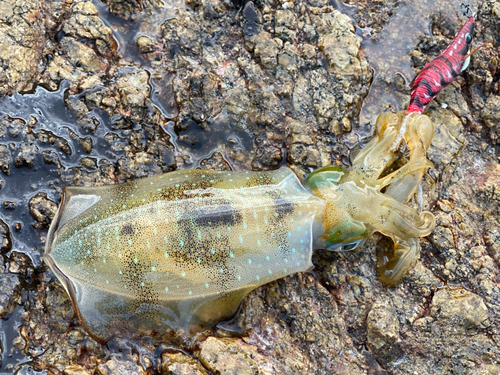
x,y
139,43
137,40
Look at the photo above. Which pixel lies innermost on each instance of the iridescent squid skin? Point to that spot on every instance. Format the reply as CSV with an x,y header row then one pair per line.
x,y
181,250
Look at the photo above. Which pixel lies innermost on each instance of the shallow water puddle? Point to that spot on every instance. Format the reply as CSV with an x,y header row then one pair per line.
x,y
12,359
42,122
147,23
193,144
127,34
51,131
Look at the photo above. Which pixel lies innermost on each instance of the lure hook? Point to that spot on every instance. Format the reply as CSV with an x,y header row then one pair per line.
x,y
467,10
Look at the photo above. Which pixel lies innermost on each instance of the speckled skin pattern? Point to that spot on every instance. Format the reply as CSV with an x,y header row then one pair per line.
x,y
160,248
182,249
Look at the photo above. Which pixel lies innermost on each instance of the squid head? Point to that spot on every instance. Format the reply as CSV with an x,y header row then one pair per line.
x,y
371,196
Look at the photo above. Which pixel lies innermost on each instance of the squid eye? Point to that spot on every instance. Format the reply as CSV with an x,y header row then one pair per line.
x,y
468,37
346,246
352,245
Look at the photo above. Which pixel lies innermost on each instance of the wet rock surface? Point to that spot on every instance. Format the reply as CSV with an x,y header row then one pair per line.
x,y
225,88
5,238
22,37
42,210
176,362
10,295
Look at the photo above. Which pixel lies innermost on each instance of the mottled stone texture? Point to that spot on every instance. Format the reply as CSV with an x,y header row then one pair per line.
x,y
273,68
289,76
23,29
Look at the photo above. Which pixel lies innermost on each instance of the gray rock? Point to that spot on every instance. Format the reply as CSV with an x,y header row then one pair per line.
x,y
459,310
25,156
5,159
10,293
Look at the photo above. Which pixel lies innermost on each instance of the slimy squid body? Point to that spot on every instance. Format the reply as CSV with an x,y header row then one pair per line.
x,y
179,248
183,248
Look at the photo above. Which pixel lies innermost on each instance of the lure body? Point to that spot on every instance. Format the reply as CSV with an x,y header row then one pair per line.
x,y
441,71
181,250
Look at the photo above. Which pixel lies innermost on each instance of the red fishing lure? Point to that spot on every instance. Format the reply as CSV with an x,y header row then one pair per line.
x,y
441,71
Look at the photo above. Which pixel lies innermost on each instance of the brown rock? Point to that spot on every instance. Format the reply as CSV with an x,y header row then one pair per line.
x,y
81,55
75,370
459,310
178,363
42,210
230,356
382,327
5,159
22,36
26,155
5,237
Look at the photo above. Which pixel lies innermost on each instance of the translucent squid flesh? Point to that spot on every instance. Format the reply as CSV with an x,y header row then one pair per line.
x,y
181,250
